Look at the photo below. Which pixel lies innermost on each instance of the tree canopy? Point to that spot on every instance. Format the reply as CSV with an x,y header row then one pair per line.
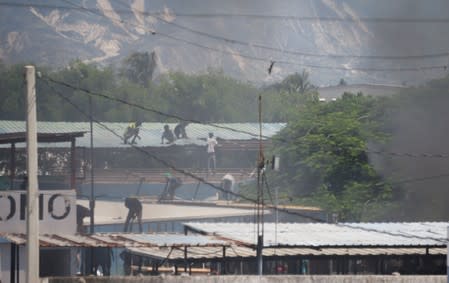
x,y
208,97
324,155
139,67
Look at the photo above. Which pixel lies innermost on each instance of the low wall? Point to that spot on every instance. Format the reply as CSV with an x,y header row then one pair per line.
x,y
255,279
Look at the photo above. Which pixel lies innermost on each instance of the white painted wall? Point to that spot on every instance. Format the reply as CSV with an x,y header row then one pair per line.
x,y
62,219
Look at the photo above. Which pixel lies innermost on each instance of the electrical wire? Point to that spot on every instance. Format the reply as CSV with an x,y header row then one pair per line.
x,y
278,61
269,61
161,113
162,161
274,207
305,18
242,15
367,151
238,195
264,181
412,155
139,106
298,53
167,257
414,180
218,188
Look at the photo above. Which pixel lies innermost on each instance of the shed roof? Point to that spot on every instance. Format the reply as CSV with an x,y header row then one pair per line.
x,y
119,240
171,246
108,135
20,137
412,234
245,252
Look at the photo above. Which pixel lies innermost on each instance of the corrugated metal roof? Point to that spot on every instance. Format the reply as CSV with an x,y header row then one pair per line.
x,y
178,254
171,246
150,133
119,240
244,252
7,138
411,234
171,240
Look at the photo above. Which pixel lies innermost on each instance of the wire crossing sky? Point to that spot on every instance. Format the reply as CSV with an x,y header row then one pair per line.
x,y
218,188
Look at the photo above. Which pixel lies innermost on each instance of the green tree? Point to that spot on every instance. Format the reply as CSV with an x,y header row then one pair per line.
x,y
292,92
324,152
209,97
81,77
296,83
12,92
139,67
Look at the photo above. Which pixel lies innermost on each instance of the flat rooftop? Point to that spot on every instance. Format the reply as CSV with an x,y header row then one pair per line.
x,y
115,212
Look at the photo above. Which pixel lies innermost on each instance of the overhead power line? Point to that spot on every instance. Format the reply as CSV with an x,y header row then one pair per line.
x,y
299,53
153,156
139,106
308,18
412,155
177,117
263,59
424,20
419,179
218,188
294,52
257,45
403,154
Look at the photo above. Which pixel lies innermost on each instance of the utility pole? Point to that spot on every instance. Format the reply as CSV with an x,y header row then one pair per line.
x,y
32,272
260,198
92,195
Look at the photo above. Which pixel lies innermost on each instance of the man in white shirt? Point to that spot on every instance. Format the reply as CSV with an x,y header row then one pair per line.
x,y
211,143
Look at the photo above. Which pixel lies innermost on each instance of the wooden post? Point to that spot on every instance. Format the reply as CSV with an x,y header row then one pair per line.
x,y
72,165
12,167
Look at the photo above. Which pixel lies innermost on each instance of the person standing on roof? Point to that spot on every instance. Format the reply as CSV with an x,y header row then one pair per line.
x,y
168,135
211,143
132,132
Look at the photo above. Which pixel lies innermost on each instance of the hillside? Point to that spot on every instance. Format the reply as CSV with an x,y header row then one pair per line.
x,y
54,33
